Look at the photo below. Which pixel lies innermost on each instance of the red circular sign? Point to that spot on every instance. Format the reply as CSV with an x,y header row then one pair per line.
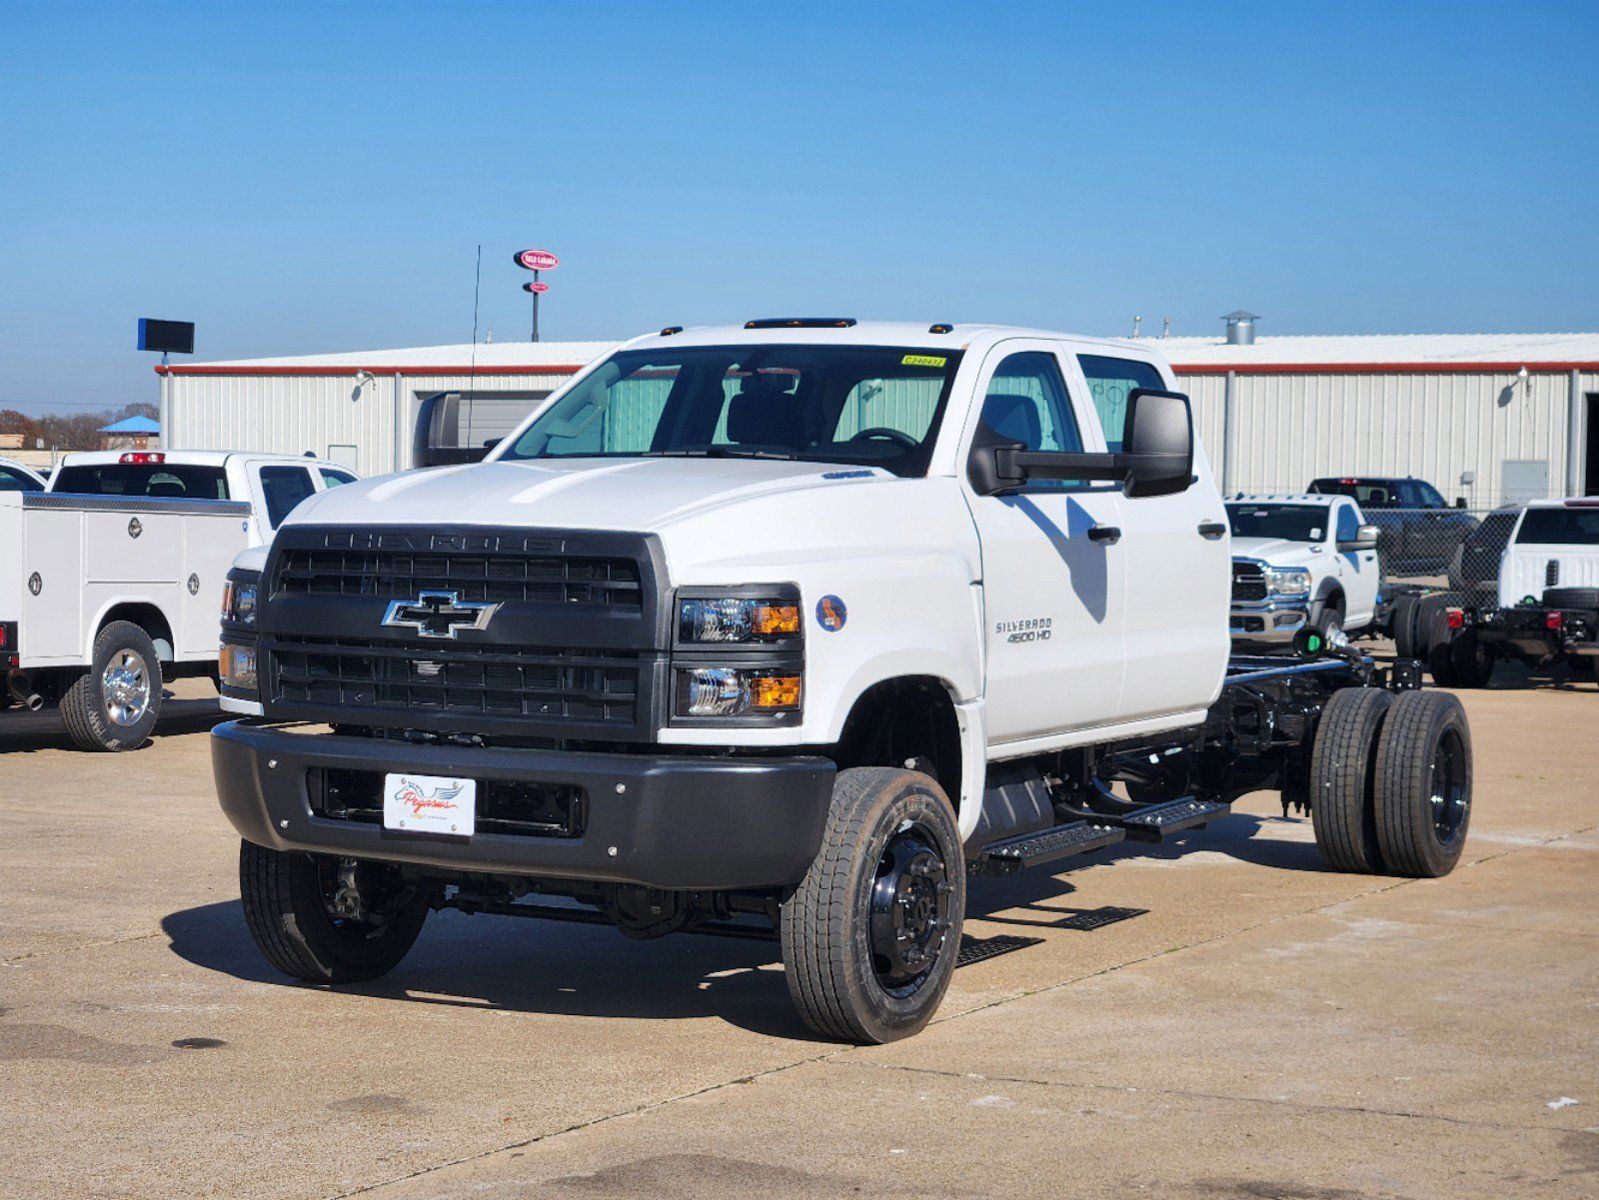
x,y
537,260
538,287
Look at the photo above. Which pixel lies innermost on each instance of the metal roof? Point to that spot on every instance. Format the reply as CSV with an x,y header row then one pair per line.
x,y
1410,351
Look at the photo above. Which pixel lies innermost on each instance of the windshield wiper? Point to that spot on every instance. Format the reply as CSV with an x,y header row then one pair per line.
x,y
727,452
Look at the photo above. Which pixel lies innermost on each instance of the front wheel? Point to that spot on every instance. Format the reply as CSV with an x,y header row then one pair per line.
x,y
871,933
328,920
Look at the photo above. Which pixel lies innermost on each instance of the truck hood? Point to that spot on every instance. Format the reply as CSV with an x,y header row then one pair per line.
x,y
1279,552
631,494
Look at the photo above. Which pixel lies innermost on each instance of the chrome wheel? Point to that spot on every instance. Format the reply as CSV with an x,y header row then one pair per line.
x,y
125,684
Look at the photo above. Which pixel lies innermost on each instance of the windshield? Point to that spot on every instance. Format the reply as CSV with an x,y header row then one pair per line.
x,y
875,406
1291,522
1560,526
143,479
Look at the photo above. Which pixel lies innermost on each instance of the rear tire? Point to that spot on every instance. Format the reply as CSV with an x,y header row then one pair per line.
x,y
1470,662
116,703
1342,774
1571,597
1441,649
286,897
871,933
1403,622
1423,793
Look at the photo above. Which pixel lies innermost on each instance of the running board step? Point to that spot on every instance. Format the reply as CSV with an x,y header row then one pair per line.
x,y
1158,820
1031,849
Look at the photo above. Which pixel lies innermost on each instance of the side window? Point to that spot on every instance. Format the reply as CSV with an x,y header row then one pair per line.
x,y
16,481
1348,525
284,487
1430,497
333,479
1112,381
1027,403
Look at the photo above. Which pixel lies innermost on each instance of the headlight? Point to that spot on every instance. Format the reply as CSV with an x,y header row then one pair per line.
x,y
729,619
239,598
736,691
236,667
1287,581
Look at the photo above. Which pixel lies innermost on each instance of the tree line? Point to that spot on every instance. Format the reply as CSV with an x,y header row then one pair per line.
x,y
80,431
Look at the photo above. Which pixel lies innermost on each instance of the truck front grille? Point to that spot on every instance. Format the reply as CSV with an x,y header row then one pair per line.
x,y
1249,582
573,686
476,568
574,643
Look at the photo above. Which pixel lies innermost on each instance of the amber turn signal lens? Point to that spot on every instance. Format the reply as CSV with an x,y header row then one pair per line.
x,y
775,691
776,620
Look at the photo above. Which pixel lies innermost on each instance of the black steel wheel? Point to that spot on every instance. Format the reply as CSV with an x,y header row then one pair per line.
x,y
1470,661
1423,785
1343,762
871,933
326,919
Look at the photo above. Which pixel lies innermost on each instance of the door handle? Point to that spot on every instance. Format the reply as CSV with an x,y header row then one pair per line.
x,y
1211,529
1109,534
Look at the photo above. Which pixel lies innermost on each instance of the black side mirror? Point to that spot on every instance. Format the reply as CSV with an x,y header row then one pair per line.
x,y
1158,442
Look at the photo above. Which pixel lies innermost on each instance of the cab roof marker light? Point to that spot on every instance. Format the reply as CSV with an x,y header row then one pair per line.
x,y
142,458
941,327
800,323
670,330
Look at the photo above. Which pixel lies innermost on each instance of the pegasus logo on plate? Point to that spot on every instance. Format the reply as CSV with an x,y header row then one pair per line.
x,y
438,614
414,797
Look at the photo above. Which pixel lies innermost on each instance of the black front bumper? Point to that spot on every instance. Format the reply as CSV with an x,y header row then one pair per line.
x,y
664,821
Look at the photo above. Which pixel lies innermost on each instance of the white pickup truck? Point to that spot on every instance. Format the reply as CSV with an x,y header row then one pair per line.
x,y
785,630
1301,562
1548,609
14,477
109,579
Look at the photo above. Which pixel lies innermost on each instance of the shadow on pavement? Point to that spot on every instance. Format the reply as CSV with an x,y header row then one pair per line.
x,y
26,732
536,966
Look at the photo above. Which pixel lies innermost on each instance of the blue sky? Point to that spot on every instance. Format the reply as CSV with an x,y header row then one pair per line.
x,y
303,178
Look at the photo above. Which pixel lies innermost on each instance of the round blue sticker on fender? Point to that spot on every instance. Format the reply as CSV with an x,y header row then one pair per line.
x,y
831,613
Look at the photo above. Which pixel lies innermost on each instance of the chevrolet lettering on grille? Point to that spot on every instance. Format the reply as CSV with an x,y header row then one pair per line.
x,y
438,614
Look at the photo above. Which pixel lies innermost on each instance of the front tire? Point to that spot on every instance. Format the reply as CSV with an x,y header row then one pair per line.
x,y
1423,793
116,703
871,933
288,899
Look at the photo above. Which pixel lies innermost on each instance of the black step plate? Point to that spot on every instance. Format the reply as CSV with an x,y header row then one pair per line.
x,y
1059,842
1158,820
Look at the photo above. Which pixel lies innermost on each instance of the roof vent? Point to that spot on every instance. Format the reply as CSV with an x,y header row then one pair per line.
x,y
1241,327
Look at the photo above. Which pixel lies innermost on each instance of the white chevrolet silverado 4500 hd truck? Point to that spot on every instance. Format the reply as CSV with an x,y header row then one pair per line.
x,y
786,630
1301,562
108,579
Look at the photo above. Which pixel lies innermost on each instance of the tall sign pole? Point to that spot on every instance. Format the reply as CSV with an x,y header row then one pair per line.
x,y
536,261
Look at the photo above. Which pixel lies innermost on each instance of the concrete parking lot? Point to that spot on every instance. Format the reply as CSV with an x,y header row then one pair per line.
x,y
1219,1019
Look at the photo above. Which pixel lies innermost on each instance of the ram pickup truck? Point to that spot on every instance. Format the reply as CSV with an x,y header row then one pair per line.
x,y
1301,562
1547,608
108,579
785,630
1418,531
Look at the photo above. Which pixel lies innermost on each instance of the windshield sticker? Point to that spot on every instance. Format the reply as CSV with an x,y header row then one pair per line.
x,y
831,613
923,360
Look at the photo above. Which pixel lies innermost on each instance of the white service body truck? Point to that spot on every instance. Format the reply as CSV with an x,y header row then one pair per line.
x,y
1301,562
784,630
109,578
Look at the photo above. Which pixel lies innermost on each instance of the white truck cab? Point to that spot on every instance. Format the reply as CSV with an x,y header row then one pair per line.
x,y
1301,561
801,622
16,477
110,577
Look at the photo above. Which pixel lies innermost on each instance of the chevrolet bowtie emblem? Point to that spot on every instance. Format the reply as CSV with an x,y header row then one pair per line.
x,y
438,614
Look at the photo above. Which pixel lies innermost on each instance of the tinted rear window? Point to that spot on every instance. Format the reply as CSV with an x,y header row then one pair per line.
x,y
1560,526
1368,493
161,481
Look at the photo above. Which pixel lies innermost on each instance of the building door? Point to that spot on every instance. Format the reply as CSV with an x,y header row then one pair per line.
x,y
1590,468
1525,479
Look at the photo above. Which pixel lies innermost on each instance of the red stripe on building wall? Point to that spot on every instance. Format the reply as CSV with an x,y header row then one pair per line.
x,y
1403,368
354,368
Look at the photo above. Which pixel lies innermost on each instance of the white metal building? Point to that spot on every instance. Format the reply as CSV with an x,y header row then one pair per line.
x,y
1485,417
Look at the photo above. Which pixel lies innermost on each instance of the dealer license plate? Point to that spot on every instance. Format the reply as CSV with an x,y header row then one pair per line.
x,y
430,804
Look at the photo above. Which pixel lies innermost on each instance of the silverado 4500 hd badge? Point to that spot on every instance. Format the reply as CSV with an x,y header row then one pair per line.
x,y
1032,629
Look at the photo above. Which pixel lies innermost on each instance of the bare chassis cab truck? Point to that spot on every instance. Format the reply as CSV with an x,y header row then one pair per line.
x,y
786,630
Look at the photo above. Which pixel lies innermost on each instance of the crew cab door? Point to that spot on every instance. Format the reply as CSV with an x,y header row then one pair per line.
x,y
1052,565
1176,561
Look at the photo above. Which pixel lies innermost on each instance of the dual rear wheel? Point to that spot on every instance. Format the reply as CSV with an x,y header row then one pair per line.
x,y
1391,782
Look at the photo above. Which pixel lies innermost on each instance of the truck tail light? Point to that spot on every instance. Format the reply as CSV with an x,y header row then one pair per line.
x,y
1456,617
1554,620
